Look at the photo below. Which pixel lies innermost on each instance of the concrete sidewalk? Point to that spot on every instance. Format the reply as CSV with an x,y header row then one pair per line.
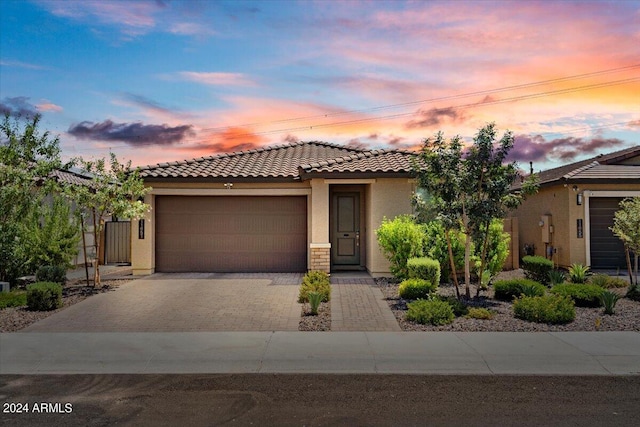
x,y
481,353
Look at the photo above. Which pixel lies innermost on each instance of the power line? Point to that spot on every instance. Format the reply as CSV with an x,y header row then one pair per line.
x,y
406,114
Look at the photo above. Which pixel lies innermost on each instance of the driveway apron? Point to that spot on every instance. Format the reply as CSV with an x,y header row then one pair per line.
x,y
191,302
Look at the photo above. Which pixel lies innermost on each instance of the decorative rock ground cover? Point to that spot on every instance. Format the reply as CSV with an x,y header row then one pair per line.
x,y
626,318
319,322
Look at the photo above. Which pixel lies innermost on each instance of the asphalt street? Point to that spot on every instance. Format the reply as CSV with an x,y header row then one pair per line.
x,y
319,400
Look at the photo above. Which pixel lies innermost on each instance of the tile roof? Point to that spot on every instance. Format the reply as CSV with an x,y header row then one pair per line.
x,y
596,171
70,177
280,162
375,161
573,170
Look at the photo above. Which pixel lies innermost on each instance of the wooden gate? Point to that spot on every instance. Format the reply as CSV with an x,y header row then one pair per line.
x,y
117,242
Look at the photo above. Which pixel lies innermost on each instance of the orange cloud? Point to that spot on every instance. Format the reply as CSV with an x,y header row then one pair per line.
x,y
217,79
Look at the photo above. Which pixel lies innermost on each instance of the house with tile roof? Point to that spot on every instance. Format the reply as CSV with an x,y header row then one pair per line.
x,y
284,208
568,220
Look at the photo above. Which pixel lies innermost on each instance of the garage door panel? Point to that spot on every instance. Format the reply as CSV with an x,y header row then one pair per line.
x,y
607,250
228,234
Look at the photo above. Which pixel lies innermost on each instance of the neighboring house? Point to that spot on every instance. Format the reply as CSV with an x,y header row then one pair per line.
x,y
569,219
288,208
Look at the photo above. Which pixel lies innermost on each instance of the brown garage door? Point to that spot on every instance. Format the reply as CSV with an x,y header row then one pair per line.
x,y
231,234
607,250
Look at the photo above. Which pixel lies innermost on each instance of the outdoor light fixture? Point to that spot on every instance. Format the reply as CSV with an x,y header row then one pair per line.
x,y
579,199
228,185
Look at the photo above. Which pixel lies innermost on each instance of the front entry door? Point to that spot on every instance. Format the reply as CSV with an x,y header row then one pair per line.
x,y
345,245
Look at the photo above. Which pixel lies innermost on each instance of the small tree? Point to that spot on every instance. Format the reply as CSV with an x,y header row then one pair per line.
x,y
27,158
114,190
626,225
50,235
470,190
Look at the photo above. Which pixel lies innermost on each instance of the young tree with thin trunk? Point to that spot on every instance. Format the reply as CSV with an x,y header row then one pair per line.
x,y
114,190
626,225
471,188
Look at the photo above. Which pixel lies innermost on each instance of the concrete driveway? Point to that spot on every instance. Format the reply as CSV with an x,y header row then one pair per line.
x,y
191,302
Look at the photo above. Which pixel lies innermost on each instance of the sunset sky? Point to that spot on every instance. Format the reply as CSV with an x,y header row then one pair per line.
x,y
163,80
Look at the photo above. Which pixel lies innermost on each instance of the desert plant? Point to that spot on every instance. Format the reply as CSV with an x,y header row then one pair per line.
x,y
44,296
480,313
617,282
400,239
507,290
537,268
315,281
315,298
424,268
434,312
459,307
556,277
609,299
13,298
582,294
545,309
578,273
416,288
52,273
607,282
633,292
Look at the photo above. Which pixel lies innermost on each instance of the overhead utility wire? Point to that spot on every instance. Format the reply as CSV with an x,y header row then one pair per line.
x,y
432,100
387,117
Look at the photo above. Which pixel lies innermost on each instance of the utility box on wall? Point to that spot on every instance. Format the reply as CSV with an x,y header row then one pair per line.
x,y
545,226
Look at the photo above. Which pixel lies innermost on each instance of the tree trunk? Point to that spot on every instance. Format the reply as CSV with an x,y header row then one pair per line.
x,y
96,242
629,269
483,258
452,262
636,267
467,267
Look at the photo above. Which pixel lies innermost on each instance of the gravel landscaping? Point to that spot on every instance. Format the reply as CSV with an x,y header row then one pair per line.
x,y
626,318
16,318
320,322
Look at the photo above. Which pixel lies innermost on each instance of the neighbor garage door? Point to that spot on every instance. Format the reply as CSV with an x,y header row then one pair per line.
x,y
231,234
607,250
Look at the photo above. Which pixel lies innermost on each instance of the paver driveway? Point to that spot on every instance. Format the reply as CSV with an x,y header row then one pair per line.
x,y
192,302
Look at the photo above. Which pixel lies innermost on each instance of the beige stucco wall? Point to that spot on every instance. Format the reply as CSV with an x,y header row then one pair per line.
x,y
561,203
387,197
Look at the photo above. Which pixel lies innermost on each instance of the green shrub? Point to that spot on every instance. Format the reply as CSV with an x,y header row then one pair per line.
x,y
545,309
578,273
44,296
609,299
507,290
480,313
52,273
435,247
314,301
315,281
582,294
13,299
498,248
607,282
537,268
459,307
400,239
424,268
434,312
416,288
556,277
633,292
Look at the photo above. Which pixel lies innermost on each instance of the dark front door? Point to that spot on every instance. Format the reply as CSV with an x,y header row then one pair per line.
x,y
345,245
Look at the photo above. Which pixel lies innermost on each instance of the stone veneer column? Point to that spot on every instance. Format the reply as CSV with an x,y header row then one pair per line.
x,y
320,256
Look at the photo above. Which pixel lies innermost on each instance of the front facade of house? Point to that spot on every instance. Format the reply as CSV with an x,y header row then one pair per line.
x,y
289,208
568,220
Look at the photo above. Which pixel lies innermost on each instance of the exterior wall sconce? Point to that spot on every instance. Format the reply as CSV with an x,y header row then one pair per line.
x,y
228,185
579,199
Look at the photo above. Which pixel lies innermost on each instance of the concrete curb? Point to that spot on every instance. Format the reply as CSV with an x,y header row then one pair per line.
x,y
447,353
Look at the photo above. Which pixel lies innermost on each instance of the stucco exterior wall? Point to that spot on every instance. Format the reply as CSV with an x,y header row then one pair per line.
x,y
561,203
387,197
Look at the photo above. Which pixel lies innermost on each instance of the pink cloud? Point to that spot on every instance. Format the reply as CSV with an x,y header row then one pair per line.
x,y
217,79
49,106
